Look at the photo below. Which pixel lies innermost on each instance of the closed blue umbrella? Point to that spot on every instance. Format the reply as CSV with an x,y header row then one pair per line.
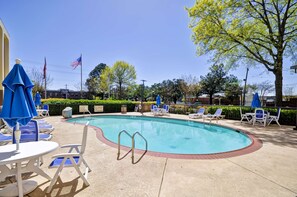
x,y
158,100
37,99
256,101
18,106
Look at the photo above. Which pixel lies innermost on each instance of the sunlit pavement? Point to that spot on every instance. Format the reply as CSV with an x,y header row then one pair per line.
x,y
269,171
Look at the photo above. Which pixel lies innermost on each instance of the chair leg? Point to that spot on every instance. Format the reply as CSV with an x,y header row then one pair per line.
x,y
79,172
54,180
84,162
277,123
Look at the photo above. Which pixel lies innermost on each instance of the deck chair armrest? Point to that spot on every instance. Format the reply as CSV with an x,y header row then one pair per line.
x,y
66,155
71,145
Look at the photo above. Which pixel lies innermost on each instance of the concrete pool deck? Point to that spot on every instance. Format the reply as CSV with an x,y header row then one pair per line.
x,y
269,171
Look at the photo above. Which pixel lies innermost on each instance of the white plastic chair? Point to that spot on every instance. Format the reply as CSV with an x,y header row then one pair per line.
x,y
259,116
275,118
72,159
244,116
46,109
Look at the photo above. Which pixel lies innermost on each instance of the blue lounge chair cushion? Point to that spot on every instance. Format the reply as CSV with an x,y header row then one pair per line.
x,y
57,162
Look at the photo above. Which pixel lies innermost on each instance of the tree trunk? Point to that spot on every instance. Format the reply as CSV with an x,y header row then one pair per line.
x,y
210,99
120,91
278,72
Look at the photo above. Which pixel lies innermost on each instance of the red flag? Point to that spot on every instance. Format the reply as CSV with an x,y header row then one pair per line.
x,y
44,69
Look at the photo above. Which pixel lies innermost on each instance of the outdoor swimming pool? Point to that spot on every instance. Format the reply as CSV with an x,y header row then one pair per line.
x,y
171,136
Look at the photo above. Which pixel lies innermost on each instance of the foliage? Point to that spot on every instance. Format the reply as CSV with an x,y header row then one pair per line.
x,y
214,81
232,88
93,82
169,90
189,86
57,105
247,31
122,75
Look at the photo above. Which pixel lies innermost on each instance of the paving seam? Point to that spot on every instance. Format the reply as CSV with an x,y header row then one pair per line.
x,y
162,177
262,176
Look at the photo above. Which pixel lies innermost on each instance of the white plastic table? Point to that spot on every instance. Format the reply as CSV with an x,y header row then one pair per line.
x,y
29,151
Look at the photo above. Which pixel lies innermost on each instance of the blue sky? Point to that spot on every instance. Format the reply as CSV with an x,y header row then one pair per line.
x,y
151,35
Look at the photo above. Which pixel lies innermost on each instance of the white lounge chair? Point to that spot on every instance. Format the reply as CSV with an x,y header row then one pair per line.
x,y
275,118
72,159
199,113
216,116
259,116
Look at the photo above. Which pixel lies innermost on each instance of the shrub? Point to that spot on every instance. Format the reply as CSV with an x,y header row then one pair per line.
x,y
57,105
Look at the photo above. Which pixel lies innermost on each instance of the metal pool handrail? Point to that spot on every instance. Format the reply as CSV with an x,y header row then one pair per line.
x,y
133,143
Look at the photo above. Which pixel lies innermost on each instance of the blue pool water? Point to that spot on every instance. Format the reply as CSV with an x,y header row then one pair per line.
x,y
169,135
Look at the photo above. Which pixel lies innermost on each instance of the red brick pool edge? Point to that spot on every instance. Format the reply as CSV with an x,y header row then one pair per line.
x,y
254,146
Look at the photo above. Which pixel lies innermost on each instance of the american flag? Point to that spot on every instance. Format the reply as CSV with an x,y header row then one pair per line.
x,y
76,63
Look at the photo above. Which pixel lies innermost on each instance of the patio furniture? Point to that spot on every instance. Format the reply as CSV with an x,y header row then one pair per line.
x,y
31,133
42,126
199,113
46,109
30,151
246,116
274,118
216,116
5,139
72,159
165,110
260,116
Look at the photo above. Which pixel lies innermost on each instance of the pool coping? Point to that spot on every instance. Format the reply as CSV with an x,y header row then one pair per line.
x,y
254,146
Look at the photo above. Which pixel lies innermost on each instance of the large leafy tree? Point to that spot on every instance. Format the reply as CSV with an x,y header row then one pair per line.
x,y
247,31
214,81
123,75
189,86
233,89
93,82
169,90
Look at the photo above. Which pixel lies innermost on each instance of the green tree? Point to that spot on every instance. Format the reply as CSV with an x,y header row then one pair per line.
x,y
123,75
232,88
250,31
214,81
189,86
93,82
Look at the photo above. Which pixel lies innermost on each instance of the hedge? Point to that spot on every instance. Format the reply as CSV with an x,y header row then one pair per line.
x,y
57,105
287,116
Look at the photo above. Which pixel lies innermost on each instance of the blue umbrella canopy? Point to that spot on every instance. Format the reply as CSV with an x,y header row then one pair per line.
x,y
158,100
256,101
37,99
18,105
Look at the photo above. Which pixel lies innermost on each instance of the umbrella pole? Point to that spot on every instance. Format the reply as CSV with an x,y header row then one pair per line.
x,y
17,136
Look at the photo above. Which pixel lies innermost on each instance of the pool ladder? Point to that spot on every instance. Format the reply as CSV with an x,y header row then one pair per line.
x,y
133,144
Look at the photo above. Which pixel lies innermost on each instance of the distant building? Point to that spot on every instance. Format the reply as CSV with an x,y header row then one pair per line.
x,y
4,57
65,93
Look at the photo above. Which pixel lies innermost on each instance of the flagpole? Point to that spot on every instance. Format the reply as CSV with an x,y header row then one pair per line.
x,y
81,77
45,77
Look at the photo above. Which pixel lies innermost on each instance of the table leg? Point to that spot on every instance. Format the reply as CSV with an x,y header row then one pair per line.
x,y
19,179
